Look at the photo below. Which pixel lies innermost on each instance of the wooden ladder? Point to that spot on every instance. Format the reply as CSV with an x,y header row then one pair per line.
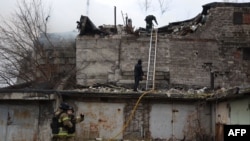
x,y
150,82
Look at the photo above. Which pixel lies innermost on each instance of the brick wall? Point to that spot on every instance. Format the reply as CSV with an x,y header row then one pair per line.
x,y
101,60
216,54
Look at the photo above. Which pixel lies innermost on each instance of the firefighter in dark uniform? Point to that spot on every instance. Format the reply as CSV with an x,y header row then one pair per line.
x,y
67,122
149,22
74,119
138,74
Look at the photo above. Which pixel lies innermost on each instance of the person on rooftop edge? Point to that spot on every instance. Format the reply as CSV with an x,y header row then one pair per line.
x,y
138,74
149,22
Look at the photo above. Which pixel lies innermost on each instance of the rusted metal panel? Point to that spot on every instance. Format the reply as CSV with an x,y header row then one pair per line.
x,y
246,18
104,120
46,112
219,136
137,126
231,112
20,121
186,121
222,113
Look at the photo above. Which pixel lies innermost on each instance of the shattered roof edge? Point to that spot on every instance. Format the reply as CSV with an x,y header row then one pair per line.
x,y
226,4
176,97
184,21
173,96
206,7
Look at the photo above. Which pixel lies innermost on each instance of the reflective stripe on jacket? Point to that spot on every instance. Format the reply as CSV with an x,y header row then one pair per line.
x,y
66,123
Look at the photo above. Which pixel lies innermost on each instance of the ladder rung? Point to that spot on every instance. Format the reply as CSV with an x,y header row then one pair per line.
x,y
151,60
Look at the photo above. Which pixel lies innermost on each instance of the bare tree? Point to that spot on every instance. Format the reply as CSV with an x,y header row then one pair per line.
x,y
161,5
145,4
22,50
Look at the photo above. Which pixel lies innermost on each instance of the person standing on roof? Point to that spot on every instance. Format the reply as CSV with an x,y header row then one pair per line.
x,y
149,22
138,74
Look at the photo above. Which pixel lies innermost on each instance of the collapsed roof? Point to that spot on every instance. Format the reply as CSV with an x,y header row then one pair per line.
x,y
86,26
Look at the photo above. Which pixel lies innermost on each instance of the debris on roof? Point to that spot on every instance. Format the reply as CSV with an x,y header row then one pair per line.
x,y
184,27
86,27
233,92
114,90
201,93
173,92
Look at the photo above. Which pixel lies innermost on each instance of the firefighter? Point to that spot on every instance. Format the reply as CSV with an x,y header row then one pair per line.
x,y
63,123
66,123
149,22
74,120
138,74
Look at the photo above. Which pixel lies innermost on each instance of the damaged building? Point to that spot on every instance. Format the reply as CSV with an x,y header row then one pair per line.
x,y
201,77
210,50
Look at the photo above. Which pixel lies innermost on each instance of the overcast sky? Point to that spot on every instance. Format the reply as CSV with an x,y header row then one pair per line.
x,y
65,13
